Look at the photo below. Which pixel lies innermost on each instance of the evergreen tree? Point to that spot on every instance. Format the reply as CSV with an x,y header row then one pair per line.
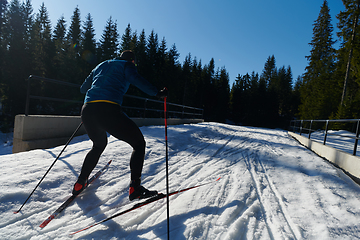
x,y
134,41
73,39
43,54
236,93
2,15
317,91
126,39
221,107
14,36
109,42
269,71
208,74
197,86
185,86
173,73
74,34
152,63
295,98
140,52
88,46
283,90
44,48
28,20
349,49
60,49
162,65
2,54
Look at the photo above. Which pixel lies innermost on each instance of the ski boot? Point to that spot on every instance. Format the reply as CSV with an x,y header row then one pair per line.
x,y
79,186
137,191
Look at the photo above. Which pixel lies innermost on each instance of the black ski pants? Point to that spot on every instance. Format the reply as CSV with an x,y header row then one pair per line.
x,y
101,117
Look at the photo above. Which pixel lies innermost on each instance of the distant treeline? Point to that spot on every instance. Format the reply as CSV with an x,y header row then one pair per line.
x,y
69,51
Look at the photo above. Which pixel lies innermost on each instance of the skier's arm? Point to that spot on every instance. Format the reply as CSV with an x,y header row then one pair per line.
x,y
87,83
135,79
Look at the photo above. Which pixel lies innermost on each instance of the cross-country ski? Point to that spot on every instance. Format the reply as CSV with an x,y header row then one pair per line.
x,y
141,204
71,198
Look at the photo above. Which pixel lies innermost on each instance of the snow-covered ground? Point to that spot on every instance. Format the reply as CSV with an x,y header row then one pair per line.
x,y
5,143
271,188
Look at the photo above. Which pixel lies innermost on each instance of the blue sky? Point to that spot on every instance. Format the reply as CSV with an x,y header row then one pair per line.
x,y
238,34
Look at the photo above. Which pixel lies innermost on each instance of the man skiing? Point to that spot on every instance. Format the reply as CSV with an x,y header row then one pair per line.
x,y
102,113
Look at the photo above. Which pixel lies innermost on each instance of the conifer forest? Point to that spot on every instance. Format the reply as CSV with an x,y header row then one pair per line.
x,y
68,50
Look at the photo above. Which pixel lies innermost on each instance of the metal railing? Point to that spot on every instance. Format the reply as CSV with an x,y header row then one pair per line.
x,y
307,127
179,111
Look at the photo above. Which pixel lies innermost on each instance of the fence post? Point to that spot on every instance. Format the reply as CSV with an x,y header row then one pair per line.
x,y
357,138
145,107
27,97
301,124
311,122
326,130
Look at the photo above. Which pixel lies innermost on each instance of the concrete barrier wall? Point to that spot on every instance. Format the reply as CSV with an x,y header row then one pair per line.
x,y
45,131
346,161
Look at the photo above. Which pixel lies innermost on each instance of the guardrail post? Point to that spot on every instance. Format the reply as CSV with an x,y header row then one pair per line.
x,y
301,124
27,97
357,138
311,122
145,107
326,130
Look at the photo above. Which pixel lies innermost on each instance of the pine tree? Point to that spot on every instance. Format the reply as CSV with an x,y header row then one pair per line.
x,y
140,52
2,63
208,78
126,39
173,73
317,91
14,41
162,65
73,58
185,86
223,95
28,20
46,48
60,49
88,45
109,42
270,70
283,91
2,15
74,34
347,27
152,63
43,54
197,86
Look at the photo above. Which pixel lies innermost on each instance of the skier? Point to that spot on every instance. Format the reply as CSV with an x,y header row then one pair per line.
x,y
101,113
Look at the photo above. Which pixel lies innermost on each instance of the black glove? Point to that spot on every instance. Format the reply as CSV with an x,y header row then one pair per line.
x,y
162,93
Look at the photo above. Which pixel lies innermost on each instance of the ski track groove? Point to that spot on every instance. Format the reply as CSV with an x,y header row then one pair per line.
x,y
263,182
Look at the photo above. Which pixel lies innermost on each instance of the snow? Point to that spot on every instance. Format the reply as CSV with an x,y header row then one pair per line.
x,y
271,187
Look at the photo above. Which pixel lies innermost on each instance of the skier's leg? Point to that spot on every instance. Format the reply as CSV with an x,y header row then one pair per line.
x,y
97,135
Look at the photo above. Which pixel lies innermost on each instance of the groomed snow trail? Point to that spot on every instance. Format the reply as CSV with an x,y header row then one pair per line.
x,y
271,188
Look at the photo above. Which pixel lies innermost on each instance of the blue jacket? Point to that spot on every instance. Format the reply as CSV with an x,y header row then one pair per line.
x,y
110,80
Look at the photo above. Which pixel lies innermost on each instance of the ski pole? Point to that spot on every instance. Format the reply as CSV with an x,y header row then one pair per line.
x,y
167,171
72,136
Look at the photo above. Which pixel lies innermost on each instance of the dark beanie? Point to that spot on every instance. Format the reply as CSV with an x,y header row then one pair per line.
x,y
127,55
